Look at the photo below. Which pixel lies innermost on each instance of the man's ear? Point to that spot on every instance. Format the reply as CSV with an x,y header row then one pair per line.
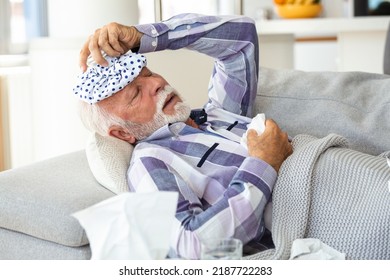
x,y
120,133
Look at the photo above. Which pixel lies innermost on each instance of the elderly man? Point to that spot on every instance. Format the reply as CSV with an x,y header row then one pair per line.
x,y
223,186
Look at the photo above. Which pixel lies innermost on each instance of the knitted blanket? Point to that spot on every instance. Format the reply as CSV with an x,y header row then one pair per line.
x,y
332,193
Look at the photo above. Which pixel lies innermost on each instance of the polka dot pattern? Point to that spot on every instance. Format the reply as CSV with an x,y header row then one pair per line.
x,y
98,82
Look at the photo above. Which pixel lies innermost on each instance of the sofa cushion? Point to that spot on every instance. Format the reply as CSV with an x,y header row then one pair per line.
x,y
355,105
39,199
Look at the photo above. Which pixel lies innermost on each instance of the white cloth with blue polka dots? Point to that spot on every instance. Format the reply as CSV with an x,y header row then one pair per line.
x,y
98,82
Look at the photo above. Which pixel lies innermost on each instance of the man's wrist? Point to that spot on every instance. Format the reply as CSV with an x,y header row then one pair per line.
x,y
261,169
137,37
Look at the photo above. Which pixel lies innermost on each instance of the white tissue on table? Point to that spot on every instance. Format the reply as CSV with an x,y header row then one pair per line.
x,y
313,249
258,124
130,226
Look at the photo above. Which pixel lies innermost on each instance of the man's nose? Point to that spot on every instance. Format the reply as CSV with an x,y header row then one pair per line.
x,y
155,84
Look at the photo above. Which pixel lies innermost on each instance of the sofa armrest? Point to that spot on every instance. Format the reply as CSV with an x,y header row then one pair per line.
x,y
39,199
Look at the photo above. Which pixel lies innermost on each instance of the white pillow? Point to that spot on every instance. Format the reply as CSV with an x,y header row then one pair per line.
x,y
109,159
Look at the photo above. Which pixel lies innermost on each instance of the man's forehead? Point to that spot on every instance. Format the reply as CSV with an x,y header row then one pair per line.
x,y
145,72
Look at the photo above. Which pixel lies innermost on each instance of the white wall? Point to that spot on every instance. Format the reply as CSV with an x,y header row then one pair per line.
x,y
80,18
187,71
54,67
316,56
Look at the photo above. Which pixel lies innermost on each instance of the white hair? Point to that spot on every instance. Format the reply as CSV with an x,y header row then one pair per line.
x,y
97,119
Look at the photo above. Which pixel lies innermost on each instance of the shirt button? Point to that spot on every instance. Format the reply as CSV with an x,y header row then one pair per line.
x,y
154,31
188,26
154,43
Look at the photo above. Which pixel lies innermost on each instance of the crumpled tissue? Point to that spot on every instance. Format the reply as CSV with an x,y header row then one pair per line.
x,y
258,124
130,226
313,249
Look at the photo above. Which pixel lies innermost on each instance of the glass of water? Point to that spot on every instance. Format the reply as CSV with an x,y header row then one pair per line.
x,y
221,249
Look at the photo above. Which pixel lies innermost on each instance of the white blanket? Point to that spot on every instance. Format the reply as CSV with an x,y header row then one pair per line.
x,y
332,193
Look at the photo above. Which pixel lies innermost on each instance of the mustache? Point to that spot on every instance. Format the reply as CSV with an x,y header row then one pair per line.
x,y
163,95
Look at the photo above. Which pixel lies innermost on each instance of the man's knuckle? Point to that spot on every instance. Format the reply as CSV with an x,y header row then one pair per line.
x,y
112,39
113,26
97,32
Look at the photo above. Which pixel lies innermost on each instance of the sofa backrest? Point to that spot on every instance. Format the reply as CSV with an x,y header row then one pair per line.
x,y
386,58
355,105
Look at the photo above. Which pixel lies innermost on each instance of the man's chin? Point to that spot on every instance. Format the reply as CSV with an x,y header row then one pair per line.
x,y
181,114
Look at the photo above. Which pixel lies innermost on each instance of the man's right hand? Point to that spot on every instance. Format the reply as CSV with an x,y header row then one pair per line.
x,y
272,145
114,39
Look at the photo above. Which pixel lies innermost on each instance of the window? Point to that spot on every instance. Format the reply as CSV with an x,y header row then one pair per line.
x,y
21,20
154,10
17,22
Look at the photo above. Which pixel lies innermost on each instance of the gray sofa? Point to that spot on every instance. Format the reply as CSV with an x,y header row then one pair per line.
x,y
36,201
36,206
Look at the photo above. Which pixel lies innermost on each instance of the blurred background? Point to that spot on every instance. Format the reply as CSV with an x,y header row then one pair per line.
x,y
40,41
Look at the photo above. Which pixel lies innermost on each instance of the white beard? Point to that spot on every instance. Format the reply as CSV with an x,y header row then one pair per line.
x,y
182,113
